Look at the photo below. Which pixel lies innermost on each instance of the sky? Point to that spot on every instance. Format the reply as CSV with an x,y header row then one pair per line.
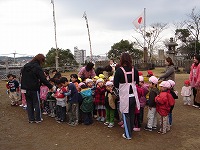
x,y
26,26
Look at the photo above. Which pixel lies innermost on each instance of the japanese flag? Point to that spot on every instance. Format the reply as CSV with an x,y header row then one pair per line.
x,y
139,21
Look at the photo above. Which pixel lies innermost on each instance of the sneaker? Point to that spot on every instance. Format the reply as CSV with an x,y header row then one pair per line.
x,y
53,115
72,124
123,135
111,125
38,121
21,105
136,129
98,118
147,128
154,128
31,122
102,119
44,113
106,123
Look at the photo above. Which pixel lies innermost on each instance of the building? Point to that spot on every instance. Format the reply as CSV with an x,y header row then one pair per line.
x,y
80,55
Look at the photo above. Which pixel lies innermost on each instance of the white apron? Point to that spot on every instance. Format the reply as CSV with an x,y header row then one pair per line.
x,y
124,92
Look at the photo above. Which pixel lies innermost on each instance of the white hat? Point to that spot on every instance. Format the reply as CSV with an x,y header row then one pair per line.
x,y
80,84
153,79
111,78
88,80
109,83
165,84
99,80
141,78
172,83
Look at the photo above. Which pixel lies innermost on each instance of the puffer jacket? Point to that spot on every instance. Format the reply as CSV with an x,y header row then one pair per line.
x,y
164,101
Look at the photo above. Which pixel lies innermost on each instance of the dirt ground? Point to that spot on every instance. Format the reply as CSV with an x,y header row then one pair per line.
x,y
17,134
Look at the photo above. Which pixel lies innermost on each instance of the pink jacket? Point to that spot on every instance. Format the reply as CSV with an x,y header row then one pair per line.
x,y
86,74
194,75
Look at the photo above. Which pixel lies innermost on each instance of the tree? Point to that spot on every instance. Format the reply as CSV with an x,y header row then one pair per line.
x,y
124,46
65,58
151,36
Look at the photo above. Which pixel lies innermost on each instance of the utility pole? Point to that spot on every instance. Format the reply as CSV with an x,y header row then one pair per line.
x,y
54,20
85,16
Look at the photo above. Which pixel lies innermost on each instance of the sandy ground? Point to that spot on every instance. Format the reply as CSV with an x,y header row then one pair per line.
x,y
17,134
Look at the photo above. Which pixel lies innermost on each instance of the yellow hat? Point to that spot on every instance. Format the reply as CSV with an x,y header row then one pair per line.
x,y
101,76
96,77
79,79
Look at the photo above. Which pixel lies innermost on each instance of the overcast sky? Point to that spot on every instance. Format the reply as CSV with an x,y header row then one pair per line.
x,y
26,26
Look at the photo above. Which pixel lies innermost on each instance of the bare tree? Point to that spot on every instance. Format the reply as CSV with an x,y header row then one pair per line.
x,y
151,36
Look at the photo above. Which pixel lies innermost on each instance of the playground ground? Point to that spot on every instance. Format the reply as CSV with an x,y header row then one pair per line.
x,y
17,134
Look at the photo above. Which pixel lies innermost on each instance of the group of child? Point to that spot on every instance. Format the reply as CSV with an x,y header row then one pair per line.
x,y
80,101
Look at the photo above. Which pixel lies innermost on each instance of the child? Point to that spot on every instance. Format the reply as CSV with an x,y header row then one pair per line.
x,y
13,87
110,105
100,99
164,101
152,117
175,96
75,80
51,100
60,102
72,100
87,104
186,92
43,97
149,73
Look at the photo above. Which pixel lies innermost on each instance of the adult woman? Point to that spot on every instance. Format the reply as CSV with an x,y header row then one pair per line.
x,y
195,78
32,77
126,77
169,72
87,71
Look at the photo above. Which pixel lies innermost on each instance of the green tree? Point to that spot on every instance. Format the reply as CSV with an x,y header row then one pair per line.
x,y
124,46
65,58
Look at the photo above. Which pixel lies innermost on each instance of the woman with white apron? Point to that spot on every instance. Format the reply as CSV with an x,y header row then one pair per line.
x,y
126,77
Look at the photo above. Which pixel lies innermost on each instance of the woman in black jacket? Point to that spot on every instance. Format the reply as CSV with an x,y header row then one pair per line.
x,y
32,77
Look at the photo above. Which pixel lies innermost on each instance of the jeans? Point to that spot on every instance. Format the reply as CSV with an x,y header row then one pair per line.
x,y
33,102
73,111
61,113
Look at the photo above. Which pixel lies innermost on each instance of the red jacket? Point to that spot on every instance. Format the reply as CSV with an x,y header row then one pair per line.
x,y
164,101
100,96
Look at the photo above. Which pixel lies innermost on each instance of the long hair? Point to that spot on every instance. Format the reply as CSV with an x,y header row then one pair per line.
x,y
39,58
125,60
197,57
169,60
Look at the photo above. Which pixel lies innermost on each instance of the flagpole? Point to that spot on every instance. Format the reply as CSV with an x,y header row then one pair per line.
x,y
144,26
54,20
85,16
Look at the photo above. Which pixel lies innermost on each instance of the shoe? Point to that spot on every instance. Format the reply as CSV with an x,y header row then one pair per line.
x,y
123,135
111,125
45,113
106,123
102,119
154,128
38,121
122,126
12,104
98,118
21,105
53,115
31,122
196,106
120,123
136,129
72,124
147,128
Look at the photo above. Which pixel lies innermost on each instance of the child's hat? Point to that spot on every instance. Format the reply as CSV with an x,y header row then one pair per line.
x,y
141,78
153,80
96,77
79,79
101,76
88,80
109,83
81,84
187,82
111,78
150,72
172,83
99,80
165,84
140,73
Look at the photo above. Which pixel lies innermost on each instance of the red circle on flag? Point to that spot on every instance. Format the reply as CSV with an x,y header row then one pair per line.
x,y
140,20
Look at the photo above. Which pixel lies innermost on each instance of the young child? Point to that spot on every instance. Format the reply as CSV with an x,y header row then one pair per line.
x,y
60,102
13,87
75,80
175,96
164,101
110,105
72,100
152,113
51,100
186,92
100,99
43,98
87,104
